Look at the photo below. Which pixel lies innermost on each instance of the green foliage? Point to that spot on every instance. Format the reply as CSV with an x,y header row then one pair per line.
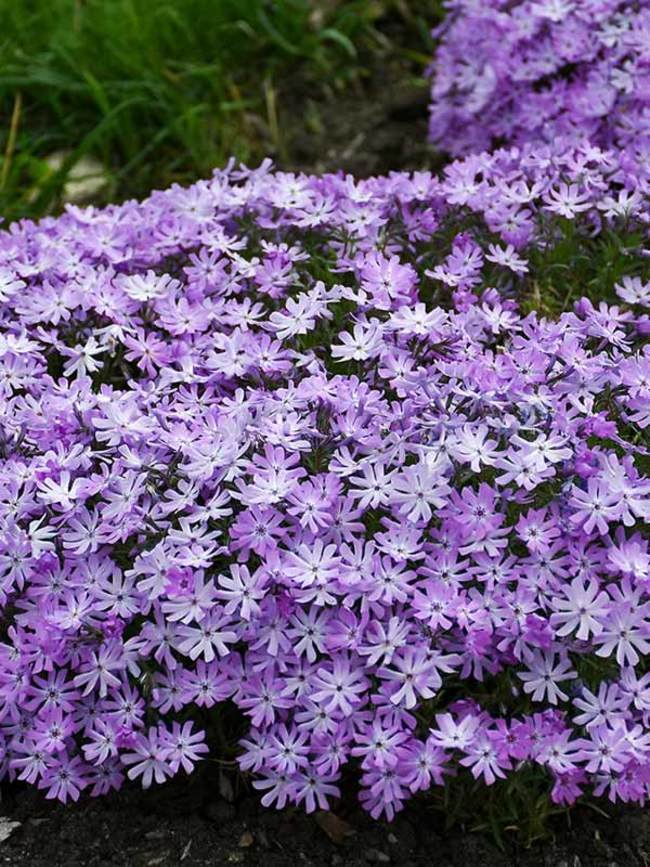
x,y
159,91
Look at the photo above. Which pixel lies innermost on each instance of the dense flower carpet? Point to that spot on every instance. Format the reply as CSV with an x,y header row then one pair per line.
x,y
295,456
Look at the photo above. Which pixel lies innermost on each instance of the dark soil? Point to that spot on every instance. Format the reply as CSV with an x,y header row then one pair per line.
x,y
375,124
384,130
184,824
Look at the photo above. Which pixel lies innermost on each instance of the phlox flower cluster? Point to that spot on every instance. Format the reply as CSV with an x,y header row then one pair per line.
x,y
542,71
288,444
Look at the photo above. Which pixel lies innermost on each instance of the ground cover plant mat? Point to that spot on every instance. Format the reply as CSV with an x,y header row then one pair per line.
x,y
268,440
338,487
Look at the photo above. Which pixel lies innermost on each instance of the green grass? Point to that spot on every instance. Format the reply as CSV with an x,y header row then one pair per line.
x,y
163,90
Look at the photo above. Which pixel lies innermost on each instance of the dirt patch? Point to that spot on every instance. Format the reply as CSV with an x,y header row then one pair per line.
x,y
383,131
376,124
184,824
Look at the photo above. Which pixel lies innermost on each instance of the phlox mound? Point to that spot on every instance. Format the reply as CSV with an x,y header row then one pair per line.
x,y
289,443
